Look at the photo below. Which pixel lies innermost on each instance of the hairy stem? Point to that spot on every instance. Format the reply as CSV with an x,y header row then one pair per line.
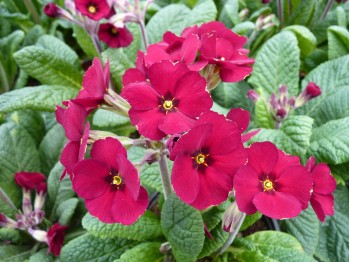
x,y
326,10
165,175
280,12
143,33
4,197
233,235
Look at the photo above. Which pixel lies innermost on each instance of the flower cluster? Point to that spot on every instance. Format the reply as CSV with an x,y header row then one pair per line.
x,y
29,219
167,99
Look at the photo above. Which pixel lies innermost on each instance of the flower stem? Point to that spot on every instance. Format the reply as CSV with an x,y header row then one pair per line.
x,y
233,235
31,8
143,33
165,175
326,10
280,12
4,197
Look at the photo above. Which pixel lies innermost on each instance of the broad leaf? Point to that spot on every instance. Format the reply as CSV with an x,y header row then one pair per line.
x,y
277,63
145,252
338,42
183,227
146,227
306,39
11,253
65,210
84,41
203,11
41,256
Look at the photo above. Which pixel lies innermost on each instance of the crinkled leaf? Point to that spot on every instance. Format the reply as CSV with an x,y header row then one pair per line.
x,y
183,227
293,137
12,253
306,39
48,67
229,13
203,11
145,252
250,220
42,98
263,115
214,216
41,256
84,41
146,227
10,235
338,42
65,210
303,13
212,245
277,63
91,248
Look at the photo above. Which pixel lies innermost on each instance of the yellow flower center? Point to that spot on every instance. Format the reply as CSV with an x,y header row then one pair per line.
x,y
92,9
117,180
200,159
114,31
268,185
168,104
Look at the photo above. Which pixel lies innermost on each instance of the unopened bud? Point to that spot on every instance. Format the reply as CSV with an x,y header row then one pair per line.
x,y
212,74
311,91
95,135
151,156
165,247
40,196
232,217
253,95
52,10
7,222
172,141
243,14
281,114
26,202
39,235
118,103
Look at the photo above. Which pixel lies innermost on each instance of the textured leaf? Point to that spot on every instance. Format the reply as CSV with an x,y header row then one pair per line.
x,y
333,79
145,252
170,18
303,13
306,39
65,210
232,95
293,137
43,98
250,220
263,115
12,253
212,245
58,191
17,153
277,63
48,67
338,41
305,228
214,215
229,13
93,249
203,11
146,227
10,235
84,41
330,142
51,147
183,227
41,256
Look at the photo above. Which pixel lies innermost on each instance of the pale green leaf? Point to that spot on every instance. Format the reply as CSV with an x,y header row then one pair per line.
x,y
145,252
338,42
306,40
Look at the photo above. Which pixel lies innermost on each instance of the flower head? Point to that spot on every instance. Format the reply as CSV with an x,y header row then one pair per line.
x,y
169,103
30,180
110,184
310,92
52,10
205,161
55,238
94,9
322,200
114,36
272,182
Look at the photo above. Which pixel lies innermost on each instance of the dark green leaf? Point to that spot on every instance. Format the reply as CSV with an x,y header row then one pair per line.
x,y
145,252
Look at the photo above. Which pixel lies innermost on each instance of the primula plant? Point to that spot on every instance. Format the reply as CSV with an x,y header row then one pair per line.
x,y
161,131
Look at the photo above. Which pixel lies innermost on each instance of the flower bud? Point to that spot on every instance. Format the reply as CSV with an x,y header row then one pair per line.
x,y
151,156
253,95
39,235
281,114
232,217
7,222
211,74
311,91
243,14
118,103
52,10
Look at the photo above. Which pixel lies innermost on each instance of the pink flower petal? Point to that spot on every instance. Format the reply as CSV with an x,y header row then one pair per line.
x,y
74,118
70,156
246,137
89,180
176,122
311,162
246,185
240,117
324,182
93,81
155,53
323,205
83,143
141,96
101,207
284,162
262,156
133,75
192,141
190,48
184,179
129,175
234,73
277,205
224,48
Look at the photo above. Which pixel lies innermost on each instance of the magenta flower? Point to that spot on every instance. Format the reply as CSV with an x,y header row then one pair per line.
x,y
138,74
205,161
95,85
30,180
52,10
110,184
169,103
241,118
322,200
114,36
73,121
312,90
272,182
223,48
94,9
55,238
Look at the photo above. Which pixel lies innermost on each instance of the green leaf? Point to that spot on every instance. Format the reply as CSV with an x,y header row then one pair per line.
x,y
170,18
32,122
263,115
303,13
51,146
293,137
330,142
212,245
17,153
333,79
145,252
183,227
33,35
277,63
60,49
42,98
65,210
91,248
58,191
203,11
306,40
84,41
340,173
305,228
232,95
41,256
250,220
10,235
48,67
229,13
338,42
146,227
12,253
213,216
244,28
